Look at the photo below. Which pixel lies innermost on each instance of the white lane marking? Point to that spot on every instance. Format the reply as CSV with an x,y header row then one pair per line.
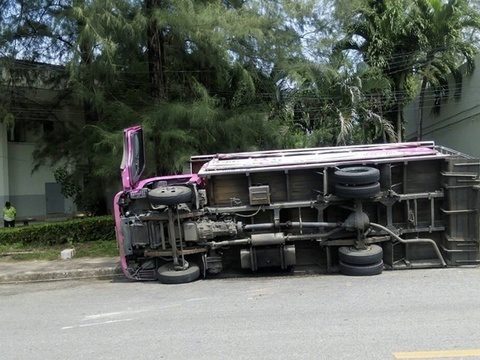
x,y
128,312
167,307
265,290
118,313
111,314
95,324
99,316
197,299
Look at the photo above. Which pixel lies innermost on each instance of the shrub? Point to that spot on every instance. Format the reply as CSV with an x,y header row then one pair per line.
x,y
70,231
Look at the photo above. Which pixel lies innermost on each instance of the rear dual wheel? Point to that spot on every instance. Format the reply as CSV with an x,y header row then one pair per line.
x,y
361,270
357,182
357,191
357,175
361,262
370,255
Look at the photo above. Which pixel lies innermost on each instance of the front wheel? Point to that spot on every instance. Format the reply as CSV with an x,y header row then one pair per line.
x,y
167,274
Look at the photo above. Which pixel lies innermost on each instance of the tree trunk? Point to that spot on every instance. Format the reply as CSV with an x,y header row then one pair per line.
x,y
400,91
420,106
155,52
88,108
86,57
156,66
90,199
399,123
380,112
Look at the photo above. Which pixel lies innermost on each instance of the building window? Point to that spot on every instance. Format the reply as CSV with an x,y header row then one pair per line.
x,y
17,133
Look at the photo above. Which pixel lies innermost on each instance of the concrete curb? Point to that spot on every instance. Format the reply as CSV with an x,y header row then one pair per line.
x,y
57,270
74,274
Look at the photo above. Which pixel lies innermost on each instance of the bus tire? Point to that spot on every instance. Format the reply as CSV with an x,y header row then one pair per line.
x,y
168,275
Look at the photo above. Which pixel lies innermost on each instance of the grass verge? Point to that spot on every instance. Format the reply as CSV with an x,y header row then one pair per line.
x,y
23,252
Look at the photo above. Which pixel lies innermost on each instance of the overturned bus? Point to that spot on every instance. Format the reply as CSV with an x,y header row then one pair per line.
x,y
356,210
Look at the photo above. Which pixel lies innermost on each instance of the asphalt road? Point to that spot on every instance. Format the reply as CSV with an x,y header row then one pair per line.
x,y
288,317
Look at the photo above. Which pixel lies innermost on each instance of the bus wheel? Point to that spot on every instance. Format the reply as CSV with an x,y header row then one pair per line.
x,y
167,274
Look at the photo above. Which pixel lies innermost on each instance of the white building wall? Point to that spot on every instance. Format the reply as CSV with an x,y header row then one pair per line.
x,y
4,183
27,188
457,126
23,187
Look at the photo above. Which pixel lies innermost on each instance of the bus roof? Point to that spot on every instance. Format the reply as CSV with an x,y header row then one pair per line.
x,y
282,160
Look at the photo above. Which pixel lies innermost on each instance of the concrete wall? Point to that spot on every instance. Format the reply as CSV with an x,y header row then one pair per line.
x,y
27,188
457,125
40,104
4,183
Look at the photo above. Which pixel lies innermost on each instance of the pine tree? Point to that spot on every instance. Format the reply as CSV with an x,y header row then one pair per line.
x,y
201,76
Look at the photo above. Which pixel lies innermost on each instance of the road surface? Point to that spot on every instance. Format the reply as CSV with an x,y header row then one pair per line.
x,y
397,315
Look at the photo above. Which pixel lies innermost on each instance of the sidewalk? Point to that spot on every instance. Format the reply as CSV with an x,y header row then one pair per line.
x,y
41,270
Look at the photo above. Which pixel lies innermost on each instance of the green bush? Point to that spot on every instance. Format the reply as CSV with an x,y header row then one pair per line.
x,y
70,231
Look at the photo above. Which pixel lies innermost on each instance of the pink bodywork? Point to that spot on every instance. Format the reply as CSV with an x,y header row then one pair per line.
x,y
128,156
131,185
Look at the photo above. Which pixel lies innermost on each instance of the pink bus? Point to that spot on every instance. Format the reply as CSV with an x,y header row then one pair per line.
x,y
357,210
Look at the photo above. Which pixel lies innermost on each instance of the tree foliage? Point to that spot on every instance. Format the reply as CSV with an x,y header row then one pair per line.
x,y
408,40
206,76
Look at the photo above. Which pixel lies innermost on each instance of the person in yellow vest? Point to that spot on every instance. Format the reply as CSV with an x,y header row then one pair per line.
x,y
9,213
